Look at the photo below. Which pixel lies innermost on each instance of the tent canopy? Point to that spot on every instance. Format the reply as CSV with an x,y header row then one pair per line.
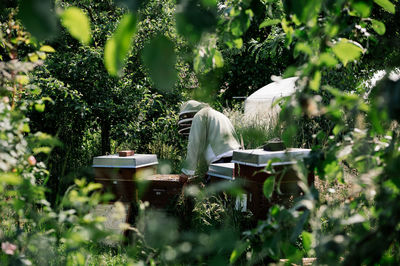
x,y
260,103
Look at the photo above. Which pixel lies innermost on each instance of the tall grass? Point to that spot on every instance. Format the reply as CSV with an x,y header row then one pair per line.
x,y
254,131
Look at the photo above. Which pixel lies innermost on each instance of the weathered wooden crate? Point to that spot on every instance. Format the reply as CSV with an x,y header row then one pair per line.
x,y
118,174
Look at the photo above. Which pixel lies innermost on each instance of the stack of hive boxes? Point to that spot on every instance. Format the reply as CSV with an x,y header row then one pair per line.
x,y
125,175
250,165
118,174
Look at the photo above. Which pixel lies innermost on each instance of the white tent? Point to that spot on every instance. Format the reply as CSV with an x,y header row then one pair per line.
x,y
259,105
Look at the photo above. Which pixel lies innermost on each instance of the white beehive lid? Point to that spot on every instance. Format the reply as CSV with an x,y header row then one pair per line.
x,y
221,170
260,158
115,161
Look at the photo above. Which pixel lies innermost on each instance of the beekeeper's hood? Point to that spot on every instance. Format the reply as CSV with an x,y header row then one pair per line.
x,y
191,106
186,114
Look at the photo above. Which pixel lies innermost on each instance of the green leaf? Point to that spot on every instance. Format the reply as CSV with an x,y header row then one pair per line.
x,y
26,128
38,18
269,22
378,26
118,46
217,60
387,5
268,186
159,57
316,81
362,8
39,107
42,55
210,3
47,49
241,23
45,150
302,47
33,57
238,43
22,79
347,51
307,240
326,59
10,179
77,23
305,10
237,252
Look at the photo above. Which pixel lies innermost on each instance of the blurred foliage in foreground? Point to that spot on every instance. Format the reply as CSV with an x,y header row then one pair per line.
x,y
332,46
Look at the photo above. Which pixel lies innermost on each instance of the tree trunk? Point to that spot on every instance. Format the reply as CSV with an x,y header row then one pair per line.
x,y
105,136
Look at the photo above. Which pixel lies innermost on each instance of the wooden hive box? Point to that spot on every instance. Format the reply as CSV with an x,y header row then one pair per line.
x,y
162,190
221,171
118,174
250,165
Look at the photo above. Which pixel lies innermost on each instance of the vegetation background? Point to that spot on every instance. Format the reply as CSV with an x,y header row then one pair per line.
x,y
84,78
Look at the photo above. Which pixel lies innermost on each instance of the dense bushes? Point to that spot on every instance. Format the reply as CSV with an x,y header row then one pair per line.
x,y
71,97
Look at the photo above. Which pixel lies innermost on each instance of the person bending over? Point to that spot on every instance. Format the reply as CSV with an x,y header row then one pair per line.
x,y
211,136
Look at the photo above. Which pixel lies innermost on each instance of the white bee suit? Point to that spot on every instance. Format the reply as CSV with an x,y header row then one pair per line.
x,y
211,136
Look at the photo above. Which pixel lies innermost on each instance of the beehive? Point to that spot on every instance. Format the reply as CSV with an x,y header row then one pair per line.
x,y
250,165
118,174
221,171
162,190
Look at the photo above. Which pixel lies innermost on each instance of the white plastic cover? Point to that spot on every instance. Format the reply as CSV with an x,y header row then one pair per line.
x,y
260,103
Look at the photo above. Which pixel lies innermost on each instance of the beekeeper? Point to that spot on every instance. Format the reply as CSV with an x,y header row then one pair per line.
x,y
211,136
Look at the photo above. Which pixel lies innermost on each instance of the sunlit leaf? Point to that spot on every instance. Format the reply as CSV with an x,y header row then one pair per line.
x,y
39,107
26,128
304,48
38,18
362,8
326,59
22,79
159,57
93,186
268,187
269,22
316,81
237,252
45,150
42,55
347,51
241,23
33,57
387,5
77,23
238,43
47,49
378,26
118,46
307,240
218,60
10,179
